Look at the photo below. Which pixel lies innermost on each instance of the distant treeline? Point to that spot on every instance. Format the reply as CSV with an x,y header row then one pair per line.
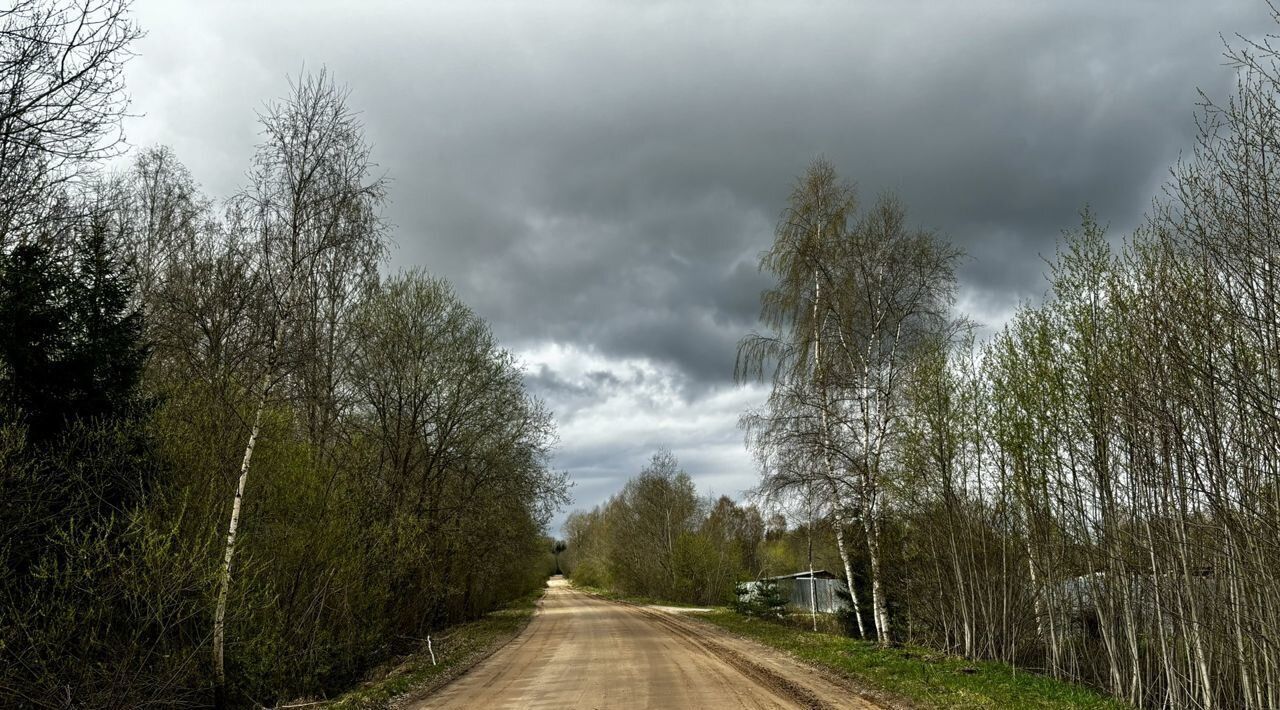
x,y
659,538
232,457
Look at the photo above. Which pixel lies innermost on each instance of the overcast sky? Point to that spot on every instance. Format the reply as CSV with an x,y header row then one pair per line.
x,y
597,180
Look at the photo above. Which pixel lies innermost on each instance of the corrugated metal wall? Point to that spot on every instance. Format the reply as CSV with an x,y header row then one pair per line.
x,y
798,593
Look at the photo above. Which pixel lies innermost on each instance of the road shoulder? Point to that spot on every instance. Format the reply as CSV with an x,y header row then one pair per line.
x,y
457,650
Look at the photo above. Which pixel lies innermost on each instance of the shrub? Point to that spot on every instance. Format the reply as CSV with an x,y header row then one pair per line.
x,y
762,599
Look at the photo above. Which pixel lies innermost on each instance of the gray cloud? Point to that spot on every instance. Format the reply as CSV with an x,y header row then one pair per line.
x,y
603,176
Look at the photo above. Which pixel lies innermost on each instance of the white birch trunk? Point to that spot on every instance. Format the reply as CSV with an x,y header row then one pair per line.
x,y
826,455
813,591
224,584
877,592
848,575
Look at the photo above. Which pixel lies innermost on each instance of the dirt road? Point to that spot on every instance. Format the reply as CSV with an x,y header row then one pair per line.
x,y
581,651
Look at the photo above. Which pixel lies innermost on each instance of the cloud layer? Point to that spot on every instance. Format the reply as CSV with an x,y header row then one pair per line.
x,y
598,179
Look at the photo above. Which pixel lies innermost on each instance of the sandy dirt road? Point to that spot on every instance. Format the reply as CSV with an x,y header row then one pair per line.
x,y
580,651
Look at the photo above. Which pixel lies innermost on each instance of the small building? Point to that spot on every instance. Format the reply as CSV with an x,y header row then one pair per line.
x,y
796,589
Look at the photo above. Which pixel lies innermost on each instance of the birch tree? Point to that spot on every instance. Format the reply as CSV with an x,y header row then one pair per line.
x,y
858,295
312,209
798,417
892,296
164,216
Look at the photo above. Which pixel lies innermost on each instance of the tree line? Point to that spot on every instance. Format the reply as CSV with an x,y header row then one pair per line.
x,y
659,538
237,463
1092,491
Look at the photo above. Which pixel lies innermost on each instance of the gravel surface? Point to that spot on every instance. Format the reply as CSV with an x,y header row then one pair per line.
x,y
581,651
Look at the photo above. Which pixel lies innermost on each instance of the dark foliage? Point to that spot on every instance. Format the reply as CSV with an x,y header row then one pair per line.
x,y
765,600
70,343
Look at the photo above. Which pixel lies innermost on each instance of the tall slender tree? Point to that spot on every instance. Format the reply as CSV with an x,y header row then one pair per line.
x,y
312,208
799,416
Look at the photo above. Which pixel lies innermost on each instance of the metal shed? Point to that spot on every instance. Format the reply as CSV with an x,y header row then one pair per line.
x,y
796,589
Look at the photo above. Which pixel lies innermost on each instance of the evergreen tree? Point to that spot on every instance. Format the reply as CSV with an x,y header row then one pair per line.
x,y
34,339
71,360
70,345
109,358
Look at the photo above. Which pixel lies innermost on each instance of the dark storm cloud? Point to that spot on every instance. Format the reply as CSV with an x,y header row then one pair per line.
x,y
611,178
605,175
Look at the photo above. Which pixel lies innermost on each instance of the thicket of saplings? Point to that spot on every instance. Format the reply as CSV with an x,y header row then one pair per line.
x,y
172,370
1094,491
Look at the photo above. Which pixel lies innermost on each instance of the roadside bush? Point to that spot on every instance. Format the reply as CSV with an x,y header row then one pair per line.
x,y
762,600
99,605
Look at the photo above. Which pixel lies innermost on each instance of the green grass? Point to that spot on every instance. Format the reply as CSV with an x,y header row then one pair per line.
x,y
457,650
919,676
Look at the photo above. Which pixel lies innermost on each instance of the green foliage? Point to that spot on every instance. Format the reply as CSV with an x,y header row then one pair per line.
x,y
762,599
99,600
419,503
658,539
400,479
345,560
83,582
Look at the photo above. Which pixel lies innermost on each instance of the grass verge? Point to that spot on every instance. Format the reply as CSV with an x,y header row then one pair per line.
x,y
921,677
457,650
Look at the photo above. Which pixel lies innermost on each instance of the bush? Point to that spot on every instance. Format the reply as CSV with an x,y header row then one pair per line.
x,y
762,599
